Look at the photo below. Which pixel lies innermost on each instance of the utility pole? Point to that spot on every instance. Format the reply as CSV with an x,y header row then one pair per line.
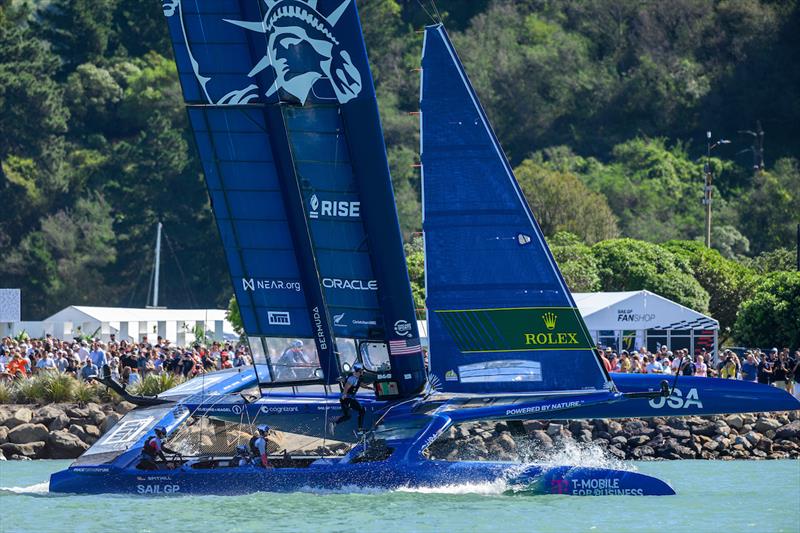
x,y
709,181
157,266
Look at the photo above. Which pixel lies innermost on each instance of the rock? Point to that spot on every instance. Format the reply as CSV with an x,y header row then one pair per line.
x,y
605,435
753,437
79,432
724,442
722,428
112,419
585,435
64,445
759,454
616,452
765,444
45,415
30,450
642,451
789,431
544,440
766,424
614,427
62,421
78,412
25,433
622,441
705,427
534,425
2,456
506,442
124,407
555,429
711,445
743,442
20,415
638,440
92,433
3,434
734,421
677,423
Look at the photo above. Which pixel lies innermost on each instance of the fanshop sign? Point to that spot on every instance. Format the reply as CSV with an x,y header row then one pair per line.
x,y
628,315
521,329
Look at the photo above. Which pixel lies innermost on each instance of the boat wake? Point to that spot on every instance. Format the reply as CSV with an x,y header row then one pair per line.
x,y
496,487
572,453
37,489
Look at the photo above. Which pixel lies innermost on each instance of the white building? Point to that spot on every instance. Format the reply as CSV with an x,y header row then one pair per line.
x,y
630,320
177,325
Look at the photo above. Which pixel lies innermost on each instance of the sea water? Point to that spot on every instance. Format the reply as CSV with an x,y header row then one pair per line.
x,y
713,496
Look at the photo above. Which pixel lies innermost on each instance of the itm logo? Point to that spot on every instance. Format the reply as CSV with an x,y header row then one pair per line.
x,y
549,320
279,318
333,208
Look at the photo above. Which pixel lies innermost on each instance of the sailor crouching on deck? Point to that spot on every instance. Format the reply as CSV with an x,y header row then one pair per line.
x,y
348,399
258,447
153,450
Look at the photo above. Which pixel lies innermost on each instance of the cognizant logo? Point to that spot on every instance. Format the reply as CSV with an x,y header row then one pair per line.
x,y
350,284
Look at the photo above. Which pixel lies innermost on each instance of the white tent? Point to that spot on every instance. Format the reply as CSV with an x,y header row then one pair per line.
x,y
632,319
177,325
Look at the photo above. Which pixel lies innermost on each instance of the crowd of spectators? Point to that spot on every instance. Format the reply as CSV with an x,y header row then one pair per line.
x,y
776,367
128,362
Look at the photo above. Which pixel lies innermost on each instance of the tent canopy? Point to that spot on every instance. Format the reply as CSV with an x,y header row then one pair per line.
x,y
638,310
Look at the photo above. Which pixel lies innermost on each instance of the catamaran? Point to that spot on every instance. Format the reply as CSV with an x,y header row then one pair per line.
x,y
282,105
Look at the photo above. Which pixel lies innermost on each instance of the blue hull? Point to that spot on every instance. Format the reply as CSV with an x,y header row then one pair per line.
x,y
336,476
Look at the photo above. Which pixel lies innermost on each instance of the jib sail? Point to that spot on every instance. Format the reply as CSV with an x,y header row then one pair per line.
x,y
500,317
282,104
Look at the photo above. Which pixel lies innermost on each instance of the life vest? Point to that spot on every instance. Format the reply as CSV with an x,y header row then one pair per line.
x,y
252,445
354,388
150,448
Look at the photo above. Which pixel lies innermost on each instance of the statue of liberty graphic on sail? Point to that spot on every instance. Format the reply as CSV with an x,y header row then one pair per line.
x,y
301,49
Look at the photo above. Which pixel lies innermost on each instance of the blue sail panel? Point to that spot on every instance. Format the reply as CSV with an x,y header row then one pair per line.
x,y
286,123
500,316
333,206
251,218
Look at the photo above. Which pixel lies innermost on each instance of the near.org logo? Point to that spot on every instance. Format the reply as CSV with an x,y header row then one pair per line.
x,y
333,208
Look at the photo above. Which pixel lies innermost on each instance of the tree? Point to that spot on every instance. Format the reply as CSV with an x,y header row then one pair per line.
x,y
780,259
727,282
78,30
771,207
561,202
576,262
629,265
415,261
234,316
770,317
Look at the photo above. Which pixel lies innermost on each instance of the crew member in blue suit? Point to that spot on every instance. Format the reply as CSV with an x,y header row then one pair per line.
x,y
348,399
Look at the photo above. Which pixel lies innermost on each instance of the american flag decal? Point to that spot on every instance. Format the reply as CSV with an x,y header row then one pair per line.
x,y
405,347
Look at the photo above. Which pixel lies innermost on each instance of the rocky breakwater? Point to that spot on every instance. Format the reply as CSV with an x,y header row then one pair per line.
x,y
56,431
740,436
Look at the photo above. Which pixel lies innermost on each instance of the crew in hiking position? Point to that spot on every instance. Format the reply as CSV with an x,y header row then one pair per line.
x,y
153,451
348,399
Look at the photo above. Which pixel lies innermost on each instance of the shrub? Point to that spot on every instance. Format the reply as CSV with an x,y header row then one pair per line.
x,y
85,392
155,384
29,390
6,393
58,387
